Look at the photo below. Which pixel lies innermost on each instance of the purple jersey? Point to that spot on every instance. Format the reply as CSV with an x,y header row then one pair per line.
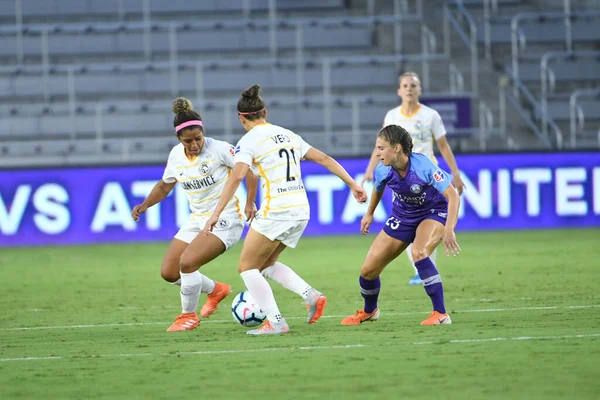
x,y
419,193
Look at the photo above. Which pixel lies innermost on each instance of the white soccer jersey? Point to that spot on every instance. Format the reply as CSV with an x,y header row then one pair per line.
x,y
276,154
424,127
203,178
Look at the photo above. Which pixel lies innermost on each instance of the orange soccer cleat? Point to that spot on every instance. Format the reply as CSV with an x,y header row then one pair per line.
x,y
437,318
268,329
220,291
185,322
360,317
315,306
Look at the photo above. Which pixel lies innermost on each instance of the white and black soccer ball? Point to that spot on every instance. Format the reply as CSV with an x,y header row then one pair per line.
x,y
245,310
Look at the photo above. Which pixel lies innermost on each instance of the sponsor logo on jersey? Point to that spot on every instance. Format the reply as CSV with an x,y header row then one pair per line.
x,y
438,175
232,150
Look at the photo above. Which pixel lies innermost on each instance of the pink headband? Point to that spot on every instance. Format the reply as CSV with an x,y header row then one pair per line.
x,y
186,124
251,112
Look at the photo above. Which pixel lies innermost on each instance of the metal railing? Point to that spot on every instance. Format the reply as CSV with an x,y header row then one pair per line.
x,y
577,116
514,101
547,79
519,39
469,39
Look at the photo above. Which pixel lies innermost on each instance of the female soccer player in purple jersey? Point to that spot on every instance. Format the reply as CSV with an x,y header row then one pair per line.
x,y
424,213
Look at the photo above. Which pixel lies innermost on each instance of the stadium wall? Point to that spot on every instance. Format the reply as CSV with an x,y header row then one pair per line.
x,y
93,204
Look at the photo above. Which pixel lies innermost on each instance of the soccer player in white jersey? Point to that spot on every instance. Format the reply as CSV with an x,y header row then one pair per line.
x,y
201,165
284,211
425,126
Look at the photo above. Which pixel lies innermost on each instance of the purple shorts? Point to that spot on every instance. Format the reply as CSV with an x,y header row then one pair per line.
x,y
406,232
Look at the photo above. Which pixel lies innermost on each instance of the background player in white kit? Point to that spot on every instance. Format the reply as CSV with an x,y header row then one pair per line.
x,y
284,211
424,125
201,165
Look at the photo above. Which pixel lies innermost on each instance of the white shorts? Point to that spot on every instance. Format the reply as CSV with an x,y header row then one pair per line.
x,y
287,232
229,229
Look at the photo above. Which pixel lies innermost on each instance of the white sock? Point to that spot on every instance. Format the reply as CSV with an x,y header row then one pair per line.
x,y
287,278
208,285
263,294
432,256
408,252
176,283
190,291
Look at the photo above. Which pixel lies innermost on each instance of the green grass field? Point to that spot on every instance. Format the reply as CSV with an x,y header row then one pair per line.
x,y
89,323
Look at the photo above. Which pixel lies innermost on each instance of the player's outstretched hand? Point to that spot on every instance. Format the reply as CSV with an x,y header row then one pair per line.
x,y
365,223
450,244
250,211
359,193
137,211
210,224
368,176
458,183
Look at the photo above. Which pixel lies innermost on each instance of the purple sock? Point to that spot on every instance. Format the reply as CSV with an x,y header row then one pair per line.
x,y
432,283
369,289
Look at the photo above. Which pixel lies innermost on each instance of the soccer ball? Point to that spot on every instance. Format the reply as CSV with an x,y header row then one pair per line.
x,y
246,311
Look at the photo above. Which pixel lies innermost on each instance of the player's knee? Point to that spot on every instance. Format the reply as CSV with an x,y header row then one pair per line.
x,y
418,253
368,273
186,265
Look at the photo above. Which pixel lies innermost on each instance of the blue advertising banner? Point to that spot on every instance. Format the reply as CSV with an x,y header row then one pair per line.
x,y
89,205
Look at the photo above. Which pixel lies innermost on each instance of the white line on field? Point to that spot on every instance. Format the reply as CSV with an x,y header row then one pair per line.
x,y
347,346
204,321
186,353
513,338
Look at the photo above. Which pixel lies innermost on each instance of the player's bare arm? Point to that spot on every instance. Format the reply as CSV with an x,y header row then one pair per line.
x,y
448,155
335,168
251,187
158,193
237,175
367,220
450,243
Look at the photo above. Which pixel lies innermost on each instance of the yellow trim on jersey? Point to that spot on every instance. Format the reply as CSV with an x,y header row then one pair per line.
x,y
275,166
187,166
286,207
279,148
413,114
266,183
191,159
206,214
203,200
237,201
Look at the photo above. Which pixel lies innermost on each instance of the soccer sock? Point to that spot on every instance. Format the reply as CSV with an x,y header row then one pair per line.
x,y
432,282
208,285
190,291
287,278
408,252
176,283
263,294
369,290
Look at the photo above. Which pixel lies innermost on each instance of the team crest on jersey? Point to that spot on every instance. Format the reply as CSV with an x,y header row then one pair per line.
x,y
438,175
416,189
204,168
223,223
418,125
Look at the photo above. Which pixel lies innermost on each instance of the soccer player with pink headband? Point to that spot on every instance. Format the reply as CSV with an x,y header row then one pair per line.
x,y
201,165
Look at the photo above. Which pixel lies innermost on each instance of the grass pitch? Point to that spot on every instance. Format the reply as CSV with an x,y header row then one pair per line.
x,y
89,323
